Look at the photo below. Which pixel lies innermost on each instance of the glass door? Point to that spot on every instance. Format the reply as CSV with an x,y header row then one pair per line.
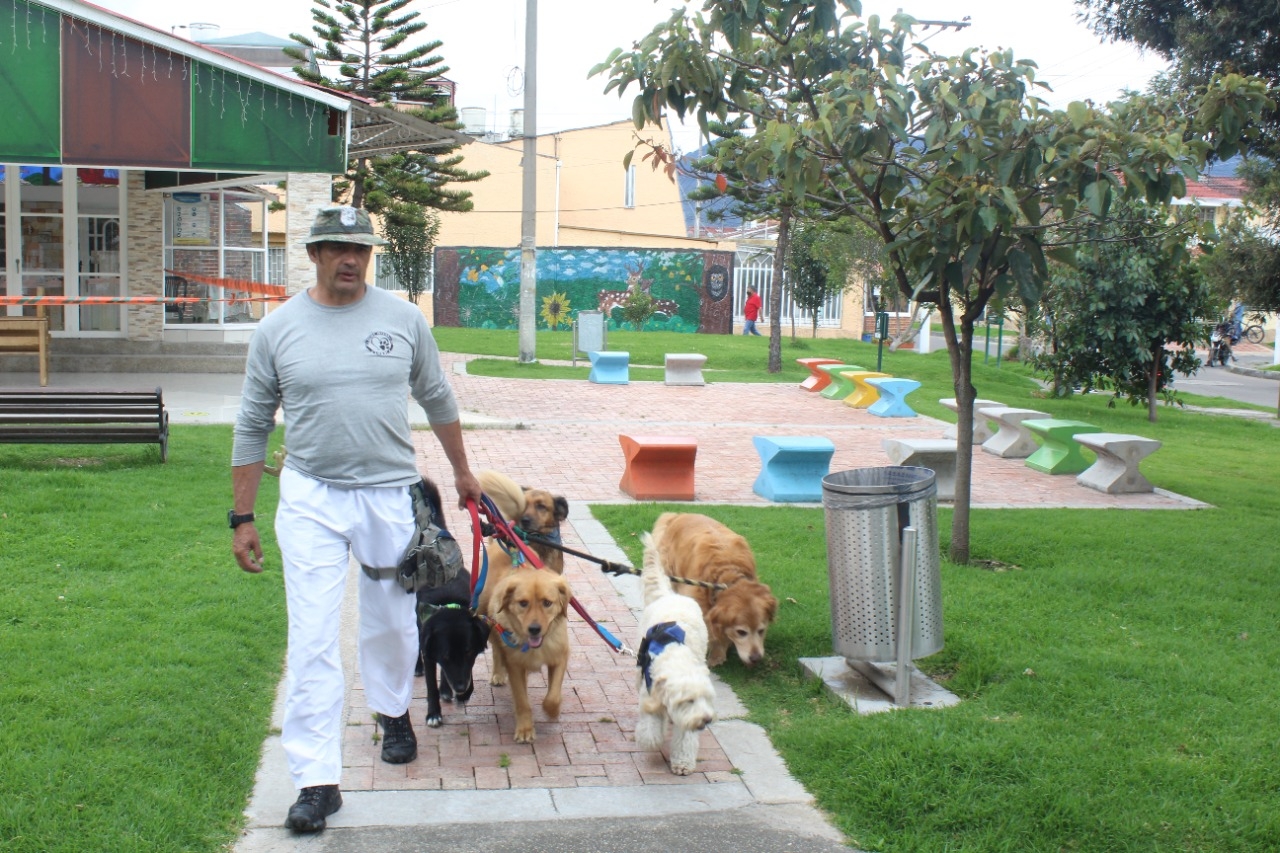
x,y
43,237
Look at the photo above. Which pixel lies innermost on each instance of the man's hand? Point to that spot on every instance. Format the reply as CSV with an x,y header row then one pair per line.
x,y
247,548
468,487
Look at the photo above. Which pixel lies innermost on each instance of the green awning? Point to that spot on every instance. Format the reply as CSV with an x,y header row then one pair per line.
x,y
79,86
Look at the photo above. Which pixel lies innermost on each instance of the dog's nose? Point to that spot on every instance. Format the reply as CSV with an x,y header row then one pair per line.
x,y
756,657
706,721
535,629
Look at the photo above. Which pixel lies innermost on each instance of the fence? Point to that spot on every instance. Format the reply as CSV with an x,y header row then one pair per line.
x,y
755,269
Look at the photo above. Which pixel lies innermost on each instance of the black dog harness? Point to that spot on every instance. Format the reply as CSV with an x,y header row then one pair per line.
x,y
655,642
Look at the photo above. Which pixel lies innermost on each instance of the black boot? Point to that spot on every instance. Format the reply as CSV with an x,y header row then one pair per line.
x,y
313,806
399,743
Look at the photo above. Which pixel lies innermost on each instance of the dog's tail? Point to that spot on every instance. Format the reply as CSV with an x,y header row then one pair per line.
x,y
653,575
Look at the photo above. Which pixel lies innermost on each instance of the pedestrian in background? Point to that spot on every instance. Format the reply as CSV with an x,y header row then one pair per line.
x,y
751,312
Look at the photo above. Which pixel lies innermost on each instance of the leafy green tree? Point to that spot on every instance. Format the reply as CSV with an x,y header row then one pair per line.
x,y
411,233
1244,265
637,309
823,257
364,44
1127,316
952,161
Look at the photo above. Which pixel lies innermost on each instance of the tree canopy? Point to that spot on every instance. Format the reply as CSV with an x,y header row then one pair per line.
x,y
953,161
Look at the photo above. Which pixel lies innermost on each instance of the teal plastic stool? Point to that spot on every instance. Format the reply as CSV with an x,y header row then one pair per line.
x,y
1059,454
792,467
609,367
893,397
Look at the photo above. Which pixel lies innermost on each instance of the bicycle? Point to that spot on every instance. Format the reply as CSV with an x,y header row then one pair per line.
x,y
1253,334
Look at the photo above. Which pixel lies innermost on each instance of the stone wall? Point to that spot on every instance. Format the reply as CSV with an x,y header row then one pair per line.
x,y
144,276
306,195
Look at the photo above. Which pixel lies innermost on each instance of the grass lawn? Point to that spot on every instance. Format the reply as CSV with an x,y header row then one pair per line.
x,y
1118,670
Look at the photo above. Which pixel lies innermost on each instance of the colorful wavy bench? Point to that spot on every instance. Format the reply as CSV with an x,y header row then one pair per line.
x,y
1060,453
839,386
1012,440
792,466
863,395
684,368
609,367
893,397
658,467
817,380
936,454
1116,470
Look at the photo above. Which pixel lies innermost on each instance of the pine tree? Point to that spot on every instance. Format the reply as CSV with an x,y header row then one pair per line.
x,y
364,42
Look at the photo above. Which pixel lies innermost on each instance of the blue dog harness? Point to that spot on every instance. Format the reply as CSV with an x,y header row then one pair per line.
x,y
655,642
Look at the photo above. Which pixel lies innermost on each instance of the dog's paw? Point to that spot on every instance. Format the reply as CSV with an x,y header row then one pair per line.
x,y
446,693
498,679
434,721
524,734
681,769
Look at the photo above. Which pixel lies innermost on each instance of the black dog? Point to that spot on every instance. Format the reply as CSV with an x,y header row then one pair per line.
x,y
449,637
449,640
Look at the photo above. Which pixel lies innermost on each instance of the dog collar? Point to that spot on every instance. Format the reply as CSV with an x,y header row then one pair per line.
x,y
655,642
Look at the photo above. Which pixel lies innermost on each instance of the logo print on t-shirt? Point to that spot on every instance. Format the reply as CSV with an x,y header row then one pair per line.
x,y
379,343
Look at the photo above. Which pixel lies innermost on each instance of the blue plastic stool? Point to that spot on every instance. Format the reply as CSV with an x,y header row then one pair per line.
x,y
792,467
893,397
609,367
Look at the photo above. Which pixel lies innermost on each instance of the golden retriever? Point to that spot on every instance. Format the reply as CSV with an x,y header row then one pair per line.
x,y
532,605
533,510
700,548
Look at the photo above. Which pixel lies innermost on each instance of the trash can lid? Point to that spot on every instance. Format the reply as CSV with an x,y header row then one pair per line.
x,y
896,480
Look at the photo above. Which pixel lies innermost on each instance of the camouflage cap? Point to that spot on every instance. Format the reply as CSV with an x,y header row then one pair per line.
x,y
344,224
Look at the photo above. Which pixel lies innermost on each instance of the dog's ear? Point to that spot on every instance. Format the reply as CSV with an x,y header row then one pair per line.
x,y
479,635
562,507
770,606
562,586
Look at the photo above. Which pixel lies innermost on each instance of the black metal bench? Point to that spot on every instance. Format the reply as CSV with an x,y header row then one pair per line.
x,y
65,416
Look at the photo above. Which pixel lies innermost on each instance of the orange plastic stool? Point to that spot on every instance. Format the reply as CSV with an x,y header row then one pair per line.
x,y
658,467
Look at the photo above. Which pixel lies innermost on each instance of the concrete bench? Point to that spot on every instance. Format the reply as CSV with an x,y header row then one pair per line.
x,y
893,397
936,454
1059,454
1116,471
658,467
684,368
840,385
1012,440
863,395
792,466
27,336
65,416
981,429
609,367
817,380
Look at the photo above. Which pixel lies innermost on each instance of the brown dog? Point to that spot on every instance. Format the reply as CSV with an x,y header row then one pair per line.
x,y
700,548
531,605
532,510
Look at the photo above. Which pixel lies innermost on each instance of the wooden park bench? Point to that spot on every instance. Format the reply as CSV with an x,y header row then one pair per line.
x,y
65,416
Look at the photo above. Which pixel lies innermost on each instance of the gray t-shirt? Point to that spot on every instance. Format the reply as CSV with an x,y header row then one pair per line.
x,y
341,375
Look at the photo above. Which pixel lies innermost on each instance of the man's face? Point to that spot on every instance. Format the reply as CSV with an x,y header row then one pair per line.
x,y
340,270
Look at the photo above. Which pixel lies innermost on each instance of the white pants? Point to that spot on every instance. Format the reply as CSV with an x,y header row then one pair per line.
x,y
318,528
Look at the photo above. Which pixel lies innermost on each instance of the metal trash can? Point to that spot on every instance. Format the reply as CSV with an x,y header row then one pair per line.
x,y
866,510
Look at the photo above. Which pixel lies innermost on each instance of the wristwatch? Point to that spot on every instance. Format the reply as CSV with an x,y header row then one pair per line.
x,y
237,520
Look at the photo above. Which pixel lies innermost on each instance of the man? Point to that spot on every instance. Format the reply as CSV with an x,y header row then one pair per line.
x,y
339,358
751,312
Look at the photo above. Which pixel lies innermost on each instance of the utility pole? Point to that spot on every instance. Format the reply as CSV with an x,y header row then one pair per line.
x,y
529,196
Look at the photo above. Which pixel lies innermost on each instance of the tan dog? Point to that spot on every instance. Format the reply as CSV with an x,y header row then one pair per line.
x,y
531,604
700,548
532,510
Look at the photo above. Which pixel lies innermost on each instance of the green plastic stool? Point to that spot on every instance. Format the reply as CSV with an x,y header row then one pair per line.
x,y
841,386
1059,454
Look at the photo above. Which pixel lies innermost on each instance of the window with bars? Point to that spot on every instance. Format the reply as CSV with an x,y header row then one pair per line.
x,y
384,275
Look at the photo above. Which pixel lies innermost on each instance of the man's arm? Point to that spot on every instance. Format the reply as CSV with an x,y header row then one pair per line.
x,y
450,437
245,544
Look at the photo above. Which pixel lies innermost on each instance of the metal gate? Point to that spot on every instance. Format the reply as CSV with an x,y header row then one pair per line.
x,y
755,269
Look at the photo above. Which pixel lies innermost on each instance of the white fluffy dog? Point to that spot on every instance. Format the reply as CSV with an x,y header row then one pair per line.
x,y
674,682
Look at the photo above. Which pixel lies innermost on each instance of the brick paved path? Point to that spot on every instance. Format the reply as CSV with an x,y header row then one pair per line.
x,y
568,444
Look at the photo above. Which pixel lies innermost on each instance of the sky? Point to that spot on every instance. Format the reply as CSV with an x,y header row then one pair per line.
x,y
484,46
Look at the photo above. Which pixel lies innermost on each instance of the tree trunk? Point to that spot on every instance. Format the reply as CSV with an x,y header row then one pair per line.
x,y
775,292
357,186
960,349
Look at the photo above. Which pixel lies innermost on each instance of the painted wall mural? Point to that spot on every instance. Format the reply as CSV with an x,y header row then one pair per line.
x,y
480,287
